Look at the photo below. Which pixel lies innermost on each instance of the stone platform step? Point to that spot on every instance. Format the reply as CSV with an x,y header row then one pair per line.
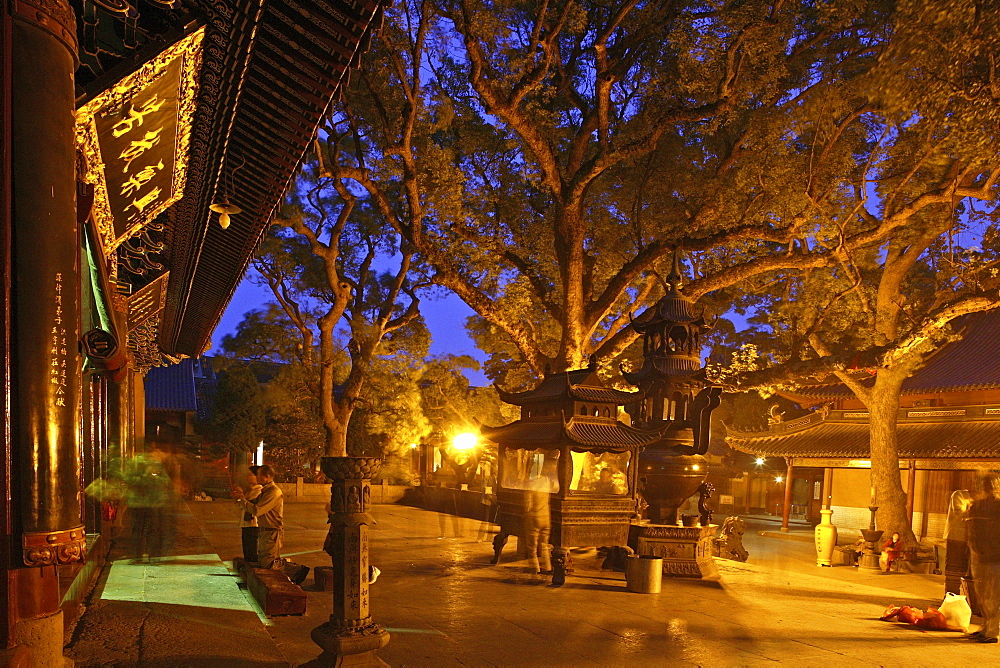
x,y
276,594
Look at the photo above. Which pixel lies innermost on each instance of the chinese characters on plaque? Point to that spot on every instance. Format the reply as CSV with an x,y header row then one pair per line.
x,y
135,138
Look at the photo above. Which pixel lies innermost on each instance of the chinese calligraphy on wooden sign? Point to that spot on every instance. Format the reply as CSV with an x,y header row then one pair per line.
x,y
135,139
147,302
58,350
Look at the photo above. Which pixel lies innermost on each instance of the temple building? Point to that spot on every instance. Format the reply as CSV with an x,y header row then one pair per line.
x,y
145,147
948,429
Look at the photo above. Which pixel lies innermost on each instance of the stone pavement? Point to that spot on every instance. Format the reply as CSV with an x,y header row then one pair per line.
x,y
444,604
183,609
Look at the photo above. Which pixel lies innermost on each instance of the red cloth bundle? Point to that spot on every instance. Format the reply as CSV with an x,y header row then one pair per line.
x,y
890,613
909,615
933,620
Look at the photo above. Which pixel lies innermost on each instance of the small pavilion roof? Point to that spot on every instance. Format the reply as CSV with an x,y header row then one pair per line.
x,y
591,432
578,384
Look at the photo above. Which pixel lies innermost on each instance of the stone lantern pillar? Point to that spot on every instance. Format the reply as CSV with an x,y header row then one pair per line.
x,y
350,637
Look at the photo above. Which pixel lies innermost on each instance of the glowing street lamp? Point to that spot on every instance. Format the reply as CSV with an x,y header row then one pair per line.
x,y
759,461
464,441
778,478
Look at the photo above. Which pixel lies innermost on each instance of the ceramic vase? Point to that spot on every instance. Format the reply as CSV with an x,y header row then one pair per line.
x,y
826,539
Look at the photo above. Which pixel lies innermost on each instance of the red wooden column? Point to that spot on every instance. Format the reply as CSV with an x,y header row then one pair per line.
x,y
42,265
8,607
827,488
911,491
787,508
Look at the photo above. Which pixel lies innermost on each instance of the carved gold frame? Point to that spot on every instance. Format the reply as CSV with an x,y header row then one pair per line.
x,y
190,50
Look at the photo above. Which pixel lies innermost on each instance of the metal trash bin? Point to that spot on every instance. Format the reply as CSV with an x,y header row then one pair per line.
x,y
643,573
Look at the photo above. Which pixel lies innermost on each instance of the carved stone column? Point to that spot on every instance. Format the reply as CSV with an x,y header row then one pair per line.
x,y
351,636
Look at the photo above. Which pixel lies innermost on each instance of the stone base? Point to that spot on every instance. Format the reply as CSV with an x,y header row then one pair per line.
x,y
686,551
368,659
43,639
350,648
869,563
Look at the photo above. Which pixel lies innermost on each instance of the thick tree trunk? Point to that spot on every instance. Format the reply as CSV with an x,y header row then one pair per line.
x,y
569,251
889,495
336,429
336,432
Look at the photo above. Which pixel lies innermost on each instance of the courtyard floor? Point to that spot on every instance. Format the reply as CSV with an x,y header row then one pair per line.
x,y
444,605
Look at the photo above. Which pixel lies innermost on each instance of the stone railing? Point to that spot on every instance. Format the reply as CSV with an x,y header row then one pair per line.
x,y
314,492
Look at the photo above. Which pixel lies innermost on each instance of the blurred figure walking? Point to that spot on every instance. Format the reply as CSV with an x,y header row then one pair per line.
x,y
147,496
984,544
538,518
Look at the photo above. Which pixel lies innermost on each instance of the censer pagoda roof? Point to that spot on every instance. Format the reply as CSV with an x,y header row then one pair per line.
x,y
578,384
675,366
672,307
590,432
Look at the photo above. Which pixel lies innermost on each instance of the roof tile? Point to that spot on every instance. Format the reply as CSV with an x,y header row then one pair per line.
x,y
171,388
947,440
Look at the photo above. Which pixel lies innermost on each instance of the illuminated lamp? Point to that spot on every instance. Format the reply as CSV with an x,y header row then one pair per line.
x,y
225,210
464,441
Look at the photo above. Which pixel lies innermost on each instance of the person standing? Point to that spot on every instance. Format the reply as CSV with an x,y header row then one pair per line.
x,y
956,551
269,509
983,535
248,521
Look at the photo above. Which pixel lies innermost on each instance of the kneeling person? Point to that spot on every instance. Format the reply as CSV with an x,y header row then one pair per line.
x,y
269,508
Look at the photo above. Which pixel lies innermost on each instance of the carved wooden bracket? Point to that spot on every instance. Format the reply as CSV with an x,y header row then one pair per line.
x,y
45,548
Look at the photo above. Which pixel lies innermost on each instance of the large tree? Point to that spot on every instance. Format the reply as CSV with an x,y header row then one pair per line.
x,y
872,323
546,157
332,263
926,179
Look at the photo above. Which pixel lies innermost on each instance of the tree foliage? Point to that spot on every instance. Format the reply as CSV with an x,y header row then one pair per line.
x,y
239,415
452,405
332,263
921,181
545,158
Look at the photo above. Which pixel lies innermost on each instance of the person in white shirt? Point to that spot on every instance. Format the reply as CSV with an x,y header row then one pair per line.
x,y
269,509
248,521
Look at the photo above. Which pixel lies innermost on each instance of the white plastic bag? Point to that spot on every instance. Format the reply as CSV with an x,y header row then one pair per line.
x,y
956,611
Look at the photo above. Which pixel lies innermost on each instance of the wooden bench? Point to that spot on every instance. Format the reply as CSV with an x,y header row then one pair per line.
x,y
276,594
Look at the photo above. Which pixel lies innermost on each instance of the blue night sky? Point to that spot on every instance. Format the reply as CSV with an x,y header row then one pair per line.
x,y
445,318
